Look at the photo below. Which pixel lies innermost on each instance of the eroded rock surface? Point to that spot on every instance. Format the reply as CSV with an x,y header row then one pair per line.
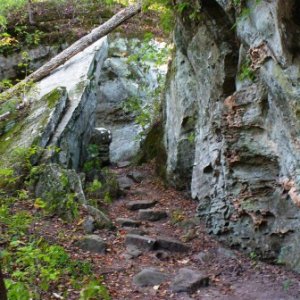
x,y
232,123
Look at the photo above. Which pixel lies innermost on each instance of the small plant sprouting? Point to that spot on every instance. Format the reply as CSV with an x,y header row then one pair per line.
x,y
246,72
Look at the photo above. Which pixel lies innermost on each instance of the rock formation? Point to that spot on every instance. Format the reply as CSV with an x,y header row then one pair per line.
x,y
232,123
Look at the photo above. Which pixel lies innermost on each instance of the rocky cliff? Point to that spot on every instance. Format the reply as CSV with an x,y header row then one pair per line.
x,y
231,117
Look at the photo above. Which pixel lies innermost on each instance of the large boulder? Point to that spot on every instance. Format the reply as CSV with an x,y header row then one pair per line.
x,y
60,189
126,76
59,111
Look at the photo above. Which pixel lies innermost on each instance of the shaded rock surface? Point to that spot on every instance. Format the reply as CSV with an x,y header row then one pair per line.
x,y
149,277
164,243
141,204
152,215
120,81
59,112
188,280
231,116
140,242
125,222
92,243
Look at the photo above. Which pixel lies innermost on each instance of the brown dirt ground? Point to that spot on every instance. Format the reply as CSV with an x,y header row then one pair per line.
x,y
230,278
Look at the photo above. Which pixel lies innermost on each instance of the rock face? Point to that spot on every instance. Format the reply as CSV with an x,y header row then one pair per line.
x,y
60,110
124,78
232,123
38,56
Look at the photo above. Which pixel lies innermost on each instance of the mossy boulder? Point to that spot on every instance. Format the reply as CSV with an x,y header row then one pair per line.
x,y
61,191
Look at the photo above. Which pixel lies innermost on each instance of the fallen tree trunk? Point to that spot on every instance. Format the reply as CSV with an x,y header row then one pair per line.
x,y
78,46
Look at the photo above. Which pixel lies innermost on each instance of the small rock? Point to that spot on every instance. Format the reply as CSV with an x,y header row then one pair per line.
x,y
170,245
142,204
125,183
140,242
152,215
123,164
136,176
188,280
124,222
92,243
89,224
149,277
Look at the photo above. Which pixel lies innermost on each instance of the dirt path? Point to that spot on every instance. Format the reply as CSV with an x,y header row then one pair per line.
x,y
231,274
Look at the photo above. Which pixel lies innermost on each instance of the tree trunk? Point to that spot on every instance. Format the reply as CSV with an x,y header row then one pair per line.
x,y
2,287
78,46
30,12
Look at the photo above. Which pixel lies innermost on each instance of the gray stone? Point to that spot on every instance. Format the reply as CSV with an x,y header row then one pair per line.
x,y
188,280
124,182
101,137
123,164
232,139
121,81
142,204
89,224
133,230
125,222
60,110
101,219
133,252
151,215
140,242
92,243
149,277
136,176
171,245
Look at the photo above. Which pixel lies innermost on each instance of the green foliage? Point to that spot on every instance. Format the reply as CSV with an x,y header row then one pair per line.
x,y
246,72
192,137
146,114
36,265
7,178
63,203
94,290
286,284
17,290
94,186
5,84
104,191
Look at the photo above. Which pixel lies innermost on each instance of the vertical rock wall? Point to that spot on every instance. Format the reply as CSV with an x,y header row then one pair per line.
x,y
242,159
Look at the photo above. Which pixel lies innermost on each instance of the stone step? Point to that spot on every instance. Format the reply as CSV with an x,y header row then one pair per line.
x,y
170,245
92,243
134,230
151,215
141,204
188,280
136,176
153,244
124,182
149,277
125,222
140,242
